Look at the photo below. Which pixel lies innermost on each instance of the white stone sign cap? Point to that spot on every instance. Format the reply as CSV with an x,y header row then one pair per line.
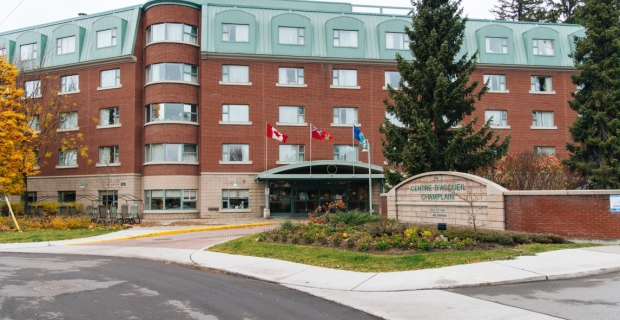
x,y
492,187
614,202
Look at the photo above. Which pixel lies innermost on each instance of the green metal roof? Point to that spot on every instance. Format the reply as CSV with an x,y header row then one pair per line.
x,y
319,20
322,170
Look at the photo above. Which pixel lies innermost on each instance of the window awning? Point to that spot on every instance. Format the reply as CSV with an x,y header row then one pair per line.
x,y
323,170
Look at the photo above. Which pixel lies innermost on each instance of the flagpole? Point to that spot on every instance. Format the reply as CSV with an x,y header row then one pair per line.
x,y
310,150
266,154
353,146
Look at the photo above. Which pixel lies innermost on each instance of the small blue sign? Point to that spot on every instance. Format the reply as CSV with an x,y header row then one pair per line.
x,y
614,202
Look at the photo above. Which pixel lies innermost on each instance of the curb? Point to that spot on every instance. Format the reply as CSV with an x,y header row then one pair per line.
x,y
180,231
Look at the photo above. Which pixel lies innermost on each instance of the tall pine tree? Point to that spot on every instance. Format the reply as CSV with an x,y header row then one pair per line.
x,y
520,10
433,97
563,10
596,131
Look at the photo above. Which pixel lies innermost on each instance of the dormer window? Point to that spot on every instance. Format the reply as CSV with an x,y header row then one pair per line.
x,y
65,45
288,35
106,38
398,41
497,45
236,32
543,47
28,52
345,38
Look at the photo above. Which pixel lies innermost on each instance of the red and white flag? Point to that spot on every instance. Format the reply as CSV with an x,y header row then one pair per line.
x,y
275,134
320,134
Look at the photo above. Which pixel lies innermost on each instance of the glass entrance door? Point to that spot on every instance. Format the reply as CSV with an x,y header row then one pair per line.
x,y
299,199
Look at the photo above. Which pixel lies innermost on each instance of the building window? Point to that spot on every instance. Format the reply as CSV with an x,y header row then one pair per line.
x,y
345,38
543,47
292,153
171,152
542,119
171,199
499,118
235,113
235,74
291,75
541,84
33,123
393,120
109,116
345,116
392,78
289,35
395,40
110,78
496,82
344,78
172,72
32,89
235,199
497,45
108,198
235,152
108,155
67,158
544,151
236,32
106,38
28,52
65,45
172,32
70,83
68,120
66,196
2,52
291,115
345,153
171,112
31,196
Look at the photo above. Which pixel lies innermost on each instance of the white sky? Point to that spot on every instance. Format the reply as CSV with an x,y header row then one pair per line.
x,y
35,12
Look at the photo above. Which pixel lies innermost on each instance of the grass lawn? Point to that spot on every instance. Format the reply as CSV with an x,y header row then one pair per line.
x,y
51,235
359,261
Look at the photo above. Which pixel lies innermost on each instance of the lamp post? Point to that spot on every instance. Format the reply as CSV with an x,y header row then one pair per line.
x,y
367,149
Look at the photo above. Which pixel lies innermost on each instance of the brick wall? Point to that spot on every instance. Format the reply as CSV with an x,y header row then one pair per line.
x,y
577,215
384,205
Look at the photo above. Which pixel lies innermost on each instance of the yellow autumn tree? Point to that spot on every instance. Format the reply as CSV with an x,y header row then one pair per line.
x,y
17,160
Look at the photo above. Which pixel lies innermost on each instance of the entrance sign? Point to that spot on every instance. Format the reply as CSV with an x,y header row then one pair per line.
x,y
614,202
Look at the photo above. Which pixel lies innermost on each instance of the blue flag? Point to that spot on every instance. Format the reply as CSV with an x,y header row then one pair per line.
x,y
359,136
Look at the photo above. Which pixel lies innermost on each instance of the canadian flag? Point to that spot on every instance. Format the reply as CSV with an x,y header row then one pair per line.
x,y
275,134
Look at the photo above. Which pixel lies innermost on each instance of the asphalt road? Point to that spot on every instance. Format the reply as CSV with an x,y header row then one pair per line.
x,y
596,297
39,286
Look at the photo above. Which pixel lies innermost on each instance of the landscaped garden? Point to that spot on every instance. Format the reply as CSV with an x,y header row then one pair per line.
x,y
364,242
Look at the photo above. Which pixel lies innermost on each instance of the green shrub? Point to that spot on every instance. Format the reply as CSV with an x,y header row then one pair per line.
x,y
382,245
440,243
424,244
296,238
468,242
365,243
385,227
274,236
352,218
261,237
309,237
288,225
337,239
411,232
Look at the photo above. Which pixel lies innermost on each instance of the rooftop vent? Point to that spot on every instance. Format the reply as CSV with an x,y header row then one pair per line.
x,y
81,14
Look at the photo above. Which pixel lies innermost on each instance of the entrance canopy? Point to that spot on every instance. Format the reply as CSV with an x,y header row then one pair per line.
x,y
323,170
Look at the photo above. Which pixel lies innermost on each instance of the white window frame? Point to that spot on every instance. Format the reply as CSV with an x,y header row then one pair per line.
x,y
338,117
34,124
299,40
226,31
67,158
113,156
298,77
228,69
188,34
65,45
537,119
544,150
245,153
68,121
392,119
236,109
388,78
339,77
106,38
31,54
535,85
503,45
499,79
300,119
188,73
112,113
539,47
2,52
353,150
189,113
70,84
503,118
183,153
112,73
32,89
297,152
339,33
226,206
404,44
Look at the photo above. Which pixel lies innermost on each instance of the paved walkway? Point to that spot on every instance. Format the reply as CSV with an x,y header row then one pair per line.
x,y
392,295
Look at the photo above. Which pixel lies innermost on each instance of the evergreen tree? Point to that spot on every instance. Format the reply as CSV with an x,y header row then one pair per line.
x,y
520,10
563,10
596,131
433,97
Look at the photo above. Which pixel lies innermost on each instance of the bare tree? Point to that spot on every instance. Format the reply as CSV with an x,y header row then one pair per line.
x,y
472,209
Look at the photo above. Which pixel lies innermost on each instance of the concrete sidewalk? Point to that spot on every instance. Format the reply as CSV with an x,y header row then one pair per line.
x,y
374,293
